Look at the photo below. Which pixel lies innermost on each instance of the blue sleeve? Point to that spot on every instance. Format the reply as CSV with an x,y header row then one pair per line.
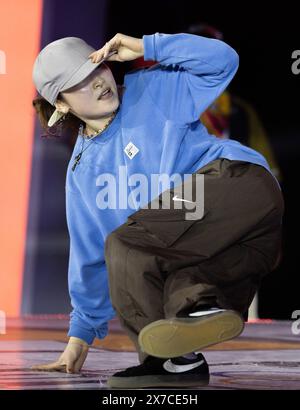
x,y
192,71
87,274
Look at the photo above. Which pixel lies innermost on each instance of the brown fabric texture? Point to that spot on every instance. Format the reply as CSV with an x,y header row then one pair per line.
x,y
160,263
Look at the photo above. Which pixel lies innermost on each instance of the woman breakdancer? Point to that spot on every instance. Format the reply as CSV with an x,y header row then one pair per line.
x,y
177,280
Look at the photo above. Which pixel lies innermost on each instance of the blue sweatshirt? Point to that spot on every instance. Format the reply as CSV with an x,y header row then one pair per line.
x,y
155,131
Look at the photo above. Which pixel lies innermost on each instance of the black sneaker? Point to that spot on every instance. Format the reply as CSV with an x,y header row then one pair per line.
x,y
156,372
190,332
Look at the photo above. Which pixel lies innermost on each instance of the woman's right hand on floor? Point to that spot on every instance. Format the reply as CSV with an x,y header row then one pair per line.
x,y
70,361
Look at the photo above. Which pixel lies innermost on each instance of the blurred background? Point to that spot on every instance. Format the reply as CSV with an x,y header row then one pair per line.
x,y
260,109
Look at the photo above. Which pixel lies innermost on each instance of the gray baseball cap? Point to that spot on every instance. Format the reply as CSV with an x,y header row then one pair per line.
x,y
61,65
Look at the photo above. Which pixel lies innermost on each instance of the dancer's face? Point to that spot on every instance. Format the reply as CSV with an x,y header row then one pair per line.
x,y
83,99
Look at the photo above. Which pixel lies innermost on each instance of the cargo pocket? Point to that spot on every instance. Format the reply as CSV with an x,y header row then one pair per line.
x,y
166,225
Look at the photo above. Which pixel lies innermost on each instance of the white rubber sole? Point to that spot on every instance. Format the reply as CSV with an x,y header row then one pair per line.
x,y
174,337
180,380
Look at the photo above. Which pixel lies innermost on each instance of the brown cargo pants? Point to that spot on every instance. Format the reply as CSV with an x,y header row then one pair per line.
x,y
160,263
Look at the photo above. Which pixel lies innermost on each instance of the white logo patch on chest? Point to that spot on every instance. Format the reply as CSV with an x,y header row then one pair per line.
x,y
131,150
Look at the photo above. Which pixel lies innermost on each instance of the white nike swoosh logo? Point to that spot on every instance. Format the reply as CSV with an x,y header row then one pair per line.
x,y
176,368
206,312
175,198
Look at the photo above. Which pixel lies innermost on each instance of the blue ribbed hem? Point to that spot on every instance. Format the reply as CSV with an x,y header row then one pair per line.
x,y
87,335
102,331
149,47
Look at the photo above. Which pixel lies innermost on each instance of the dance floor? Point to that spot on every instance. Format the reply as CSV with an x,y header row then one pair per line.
x,y
265,356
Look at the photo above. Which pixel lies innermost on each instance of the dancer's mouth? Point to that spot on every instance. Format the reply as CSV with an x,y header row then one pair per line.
x,y
105,95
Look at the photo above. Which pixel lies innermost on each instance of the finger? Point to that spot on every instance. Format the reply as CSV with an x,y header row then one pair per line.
x,y
103,52
79,363
42,366
110,47
113,56
51,367
106,49
99,56
110,44
70,367
94,55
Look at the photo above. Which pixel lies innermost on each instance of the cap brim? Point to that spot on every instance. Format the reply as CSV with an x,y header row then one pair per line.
x,y
85,70
55,117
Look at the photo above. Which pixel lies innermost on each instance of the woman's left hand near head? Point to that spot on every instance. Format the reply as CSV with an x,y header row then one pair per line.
x,y
126,48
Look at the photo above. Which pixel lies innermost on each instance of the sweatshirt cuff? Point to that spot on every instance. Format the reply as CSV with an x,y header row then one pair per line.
x,y
87,335
149,47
